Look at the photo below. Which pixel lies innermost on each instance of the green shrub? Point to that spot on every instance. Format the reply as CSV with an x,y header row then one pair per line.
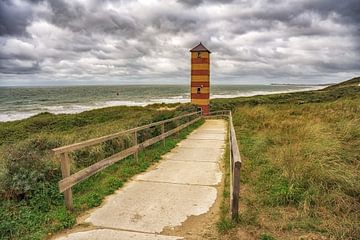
x,y
31,205
27,167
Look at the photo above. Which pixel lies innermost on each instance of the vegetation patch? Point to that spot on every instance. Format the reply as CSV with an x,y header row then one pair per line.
x,y
31,206
225,223
300,170
299,178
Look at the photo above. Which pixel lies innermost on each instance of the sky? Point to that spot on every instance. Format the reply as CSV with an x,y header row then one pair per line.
x,y
76,42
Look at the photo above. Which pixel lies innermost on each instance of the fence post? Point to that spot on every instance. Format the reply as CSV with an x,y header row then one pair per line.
x,y
236,191
65,172
135,140
162,132
176,125
235,164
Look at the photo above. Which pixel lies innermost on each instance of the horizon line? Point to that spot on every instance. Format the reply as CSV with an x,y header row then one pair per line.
x,y
164,84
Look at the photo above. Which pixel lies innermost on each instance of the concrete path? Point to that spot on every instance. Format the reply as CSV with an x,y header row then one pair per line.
x,y
183,184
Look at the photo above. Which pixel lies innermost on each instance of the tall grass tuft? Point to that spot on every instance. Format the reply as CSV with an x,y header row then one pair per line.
x,y
301,163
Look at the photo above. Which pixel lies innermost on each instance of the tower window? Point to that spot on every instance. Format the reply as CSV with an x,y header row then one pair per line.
x,y
198,90
198,55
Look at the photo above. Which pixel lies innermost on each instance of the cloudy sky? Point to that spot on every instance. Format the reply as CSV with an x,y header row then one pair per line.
x,y
147,41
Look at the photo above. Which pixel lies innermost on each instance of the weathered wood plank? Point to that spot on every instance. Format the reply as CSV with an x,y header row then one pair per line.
x,y
94,141
235,147
235,165
236,190
230,166
221,112
65,171
81,175
162,132
136,154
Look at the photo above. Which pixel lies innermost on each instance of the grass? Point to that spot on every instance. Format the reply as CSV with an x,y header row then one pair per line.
x,y
299,179
31,206
225,223
300,175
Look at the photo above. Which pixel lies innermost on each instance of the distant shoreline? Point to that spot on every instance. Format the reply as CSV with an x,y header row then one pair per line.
x,y
300,85
18,109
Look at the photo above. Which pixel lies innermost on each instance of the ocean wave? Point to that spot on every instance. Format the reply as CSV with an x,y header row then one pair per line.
x,y
13,116
77,108
256,93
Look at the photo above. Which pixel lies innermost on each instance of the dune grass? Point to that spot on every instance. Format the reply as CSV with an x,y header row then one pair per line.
x,y
300,176
299,179
225,223
31,206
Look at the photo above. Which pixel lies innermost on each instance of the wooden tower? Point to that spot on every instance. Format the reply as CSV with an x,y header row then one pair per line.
x,y
200,77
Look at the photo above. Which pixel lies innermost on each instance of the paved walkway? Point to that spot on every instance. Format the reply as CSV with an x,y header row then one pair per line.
x,y
182,184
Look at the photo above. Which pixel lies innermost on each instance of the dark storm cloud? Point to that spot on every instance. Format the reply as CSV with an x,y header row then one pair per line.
x,y
349,9
62,12
90,18
18,67
13,19
146,40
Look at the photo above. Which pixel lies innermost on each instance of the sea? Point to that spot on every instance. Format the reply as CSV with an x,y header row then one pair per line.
x,y
22,102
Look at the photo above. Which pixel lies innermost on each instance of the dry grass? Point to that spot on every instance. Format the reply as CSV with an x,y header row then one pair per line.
x,y
301,169
301,164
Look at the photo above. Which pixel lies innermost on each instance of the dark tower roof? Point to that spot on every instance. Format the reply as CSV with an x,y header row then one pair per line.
x,y
200,48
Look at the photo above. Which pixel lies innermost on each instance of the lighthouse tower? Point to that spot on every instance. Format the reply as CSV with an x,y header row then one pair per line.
x,y
200,77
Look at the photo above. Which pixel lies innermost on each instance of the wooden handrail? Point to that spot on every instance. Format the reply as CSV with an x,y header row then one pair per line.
x,y
235,171
75,178
235,164
69,180
220,111
94,141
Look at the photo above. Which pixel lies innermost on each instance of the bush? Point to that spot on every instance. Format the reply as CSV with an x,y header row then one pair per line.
x,y
27,167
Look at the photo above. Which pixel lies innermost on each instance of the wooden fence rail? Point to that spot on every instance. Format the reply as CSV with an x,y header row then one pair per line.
x,y
235,163
69,180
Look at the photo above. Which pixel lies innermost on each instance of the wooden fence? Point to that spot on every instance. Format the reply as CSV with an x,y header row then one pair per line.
x,y
235,163
69,180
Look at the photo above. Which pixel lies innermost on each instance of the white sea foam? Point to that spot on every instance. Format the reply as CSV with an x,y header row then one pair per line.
x,y
77,108
12,116
256,93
